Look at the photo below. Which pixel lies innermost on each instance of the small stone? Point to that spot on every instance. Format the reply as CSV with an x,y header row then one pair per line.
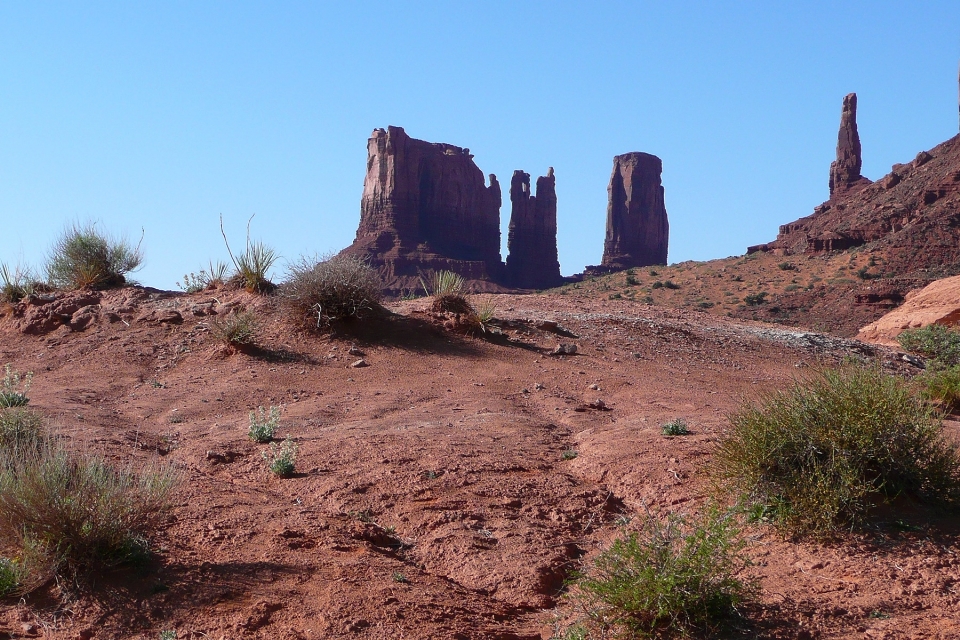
x,y
354,351
539,387
564,348
595,387
360,363
85,634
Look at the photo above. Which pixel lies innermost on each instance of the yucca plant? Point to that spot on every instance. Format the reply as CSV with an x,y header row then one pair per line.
x,y
14,387
17,283
447,290
254,264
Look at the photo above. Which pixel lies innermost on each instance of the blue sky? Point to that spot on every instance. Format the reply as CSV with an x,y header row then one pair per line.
x,y
162,116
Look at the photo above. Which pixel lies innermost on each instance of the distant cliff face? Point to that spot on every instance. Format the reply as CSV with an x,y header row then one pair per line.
x,y
425,207
532,261
637,227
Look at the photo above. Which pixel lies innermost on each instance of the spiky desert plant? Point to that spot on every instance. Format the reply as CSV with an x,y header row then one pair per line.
x,y
84,257
16,283
14,387
235,329
254,264
447,290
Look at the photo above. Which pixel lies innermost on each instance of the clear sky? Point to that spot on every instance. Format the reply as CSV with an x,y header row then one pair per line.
x,y
164,115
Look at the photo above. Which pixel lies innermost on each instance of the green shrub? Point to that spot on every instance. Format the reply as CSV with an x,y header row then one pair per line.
x,y
632,280
670,284
676,427
933,341
16,284
263,425
675,576
755,299
281,459
657,285
253,265
941,385
81,511
819,455
20,429
215,275
84,257
787,266
332,289
236,329
10,395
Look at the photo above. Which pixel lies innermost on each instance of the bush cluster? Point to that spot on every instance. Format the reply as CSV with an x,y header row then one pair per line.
x,y
817,457
235,329
934,341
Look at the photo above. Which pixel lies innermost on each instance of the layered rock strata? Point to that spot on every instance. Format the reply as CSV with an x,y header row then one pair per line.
x,y
845,170
532,241
637,227
425,207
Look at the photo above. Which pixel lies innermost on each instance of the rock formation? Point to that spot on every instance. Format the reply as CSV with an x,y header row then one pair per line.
x,y
845,170
637,228
532,242
424,208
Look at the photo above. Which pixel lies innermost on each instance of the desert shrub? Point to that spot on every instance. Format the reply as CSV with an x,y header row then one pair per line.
x,y
941,385
755,299
332,289
670,284
632,280
20,429
80,510
17,283
14,387
236,329
84,257
253,265
819,455
12,575
676,576
264,424
657,285
787,266
213,276
447,290
676,427
281,459
933,341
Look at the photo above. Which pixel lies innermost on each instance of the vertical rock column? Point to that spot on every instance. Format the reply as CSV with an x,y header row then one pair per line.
x,y
637,227
845,170
532,242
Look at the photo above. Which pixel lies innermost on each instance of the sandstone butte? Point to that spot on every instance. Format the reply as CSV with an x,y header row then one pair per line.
x,y
425,207
937,303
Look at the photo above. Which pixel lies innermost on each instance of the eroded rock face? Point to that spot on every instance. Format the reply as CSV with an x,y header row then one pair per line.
x,y
532,261
425,207
845,170
637,227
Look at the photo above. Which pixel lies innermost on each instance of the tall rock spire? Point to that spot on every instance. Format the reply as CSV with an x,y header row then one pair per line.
x,y
845,170
532,243
637,227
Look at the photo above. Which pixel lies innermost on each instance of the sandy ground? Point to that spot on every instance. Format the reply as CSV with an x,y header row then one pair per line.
x,y
434,497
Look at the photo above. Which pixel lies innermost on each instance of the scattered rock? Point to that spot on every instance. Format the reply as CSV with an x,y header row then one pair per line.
x,y
564,348
360,363
354,351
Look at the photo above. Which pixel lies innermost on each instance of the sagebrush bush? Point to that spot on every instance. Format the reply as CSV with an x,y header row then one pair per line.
x,y
676,427
84,257
933,341
14,387
332,289
675,576
78,509
819,455
263,424
236,329
20,429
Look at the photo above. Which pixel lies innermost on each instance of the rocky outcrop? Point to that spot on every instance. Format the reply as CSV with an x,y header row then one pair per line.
x,y
532,242
845,170
424,208
937,303
637,228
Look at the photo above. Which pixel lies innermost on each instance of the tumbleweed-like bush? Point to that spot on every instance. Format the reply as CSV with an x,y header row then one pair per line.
x,y
332,289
